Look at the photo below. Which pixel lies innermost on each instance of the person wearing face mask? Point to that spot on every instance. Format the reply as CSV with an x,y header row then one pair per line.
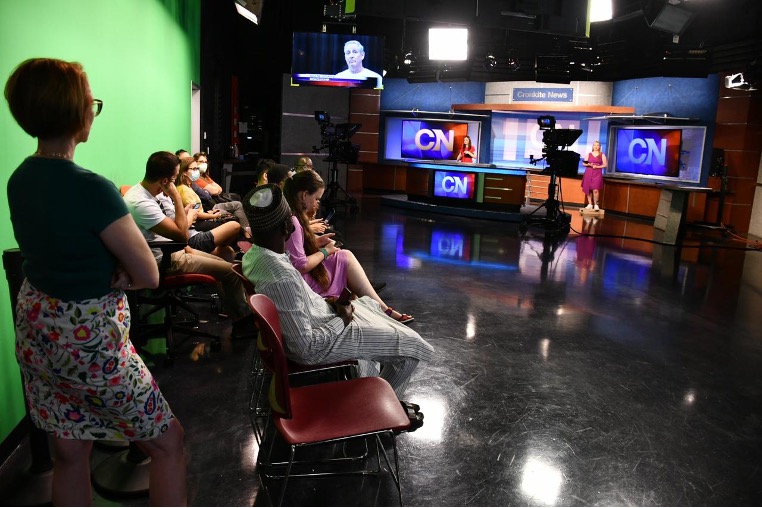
x,y
210,204
224,234
205,181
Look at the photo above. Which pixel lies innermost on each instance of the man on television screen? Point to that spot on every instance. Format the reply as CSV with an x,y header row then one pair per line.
x,y
354,53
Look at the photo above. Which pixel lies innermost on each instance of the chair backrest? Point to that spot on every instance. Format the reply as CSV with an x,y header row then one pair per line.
x,y
248,286
270,345
124,188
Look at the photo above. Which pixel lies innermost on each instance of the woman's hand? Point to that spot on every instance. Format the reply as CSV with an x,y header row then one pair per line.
x,y
325,240
317,226
120,279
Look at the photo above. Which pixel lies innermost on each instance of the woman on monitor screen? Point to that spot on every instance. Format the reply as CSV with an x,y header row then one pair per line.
x,y
467,151
592,180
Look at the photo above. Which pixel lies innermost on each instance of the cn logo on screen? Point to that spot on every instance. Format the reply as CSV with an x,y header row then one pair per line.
x,y
454,184
427,139
649,151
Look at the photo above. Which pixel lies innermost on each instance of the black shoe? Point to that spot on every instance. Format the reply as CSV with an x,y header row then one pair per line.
x,y
244,328
378,286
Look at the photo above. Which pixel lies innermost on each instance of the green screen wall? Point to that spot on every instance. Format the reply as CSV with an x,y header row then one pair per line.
x,y
140,57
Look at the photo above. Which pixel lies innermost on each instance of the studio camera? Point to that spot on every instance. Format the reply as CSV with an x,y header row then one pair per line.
x,y
335,138
561,161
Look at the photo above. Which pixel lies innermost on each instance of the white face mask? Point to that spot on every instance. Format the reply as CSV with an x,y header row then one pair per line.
x,y
194,174
202,167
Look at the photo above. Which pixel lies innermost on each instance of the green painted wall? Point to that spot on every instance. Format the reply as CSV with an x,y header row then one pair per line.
x,y
140,57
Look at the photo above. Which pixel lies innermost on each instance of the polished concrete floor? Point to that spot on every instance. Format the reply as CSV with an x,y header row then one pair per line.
x,y
570,370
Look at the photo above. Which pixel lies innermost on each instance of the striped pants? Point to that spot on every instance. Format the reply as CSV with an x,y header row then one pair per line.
x,y
378,341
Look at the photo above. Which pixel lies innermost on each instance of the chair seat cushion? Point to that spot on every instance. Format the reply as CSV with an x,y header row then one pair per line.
x,y
187,279
342,409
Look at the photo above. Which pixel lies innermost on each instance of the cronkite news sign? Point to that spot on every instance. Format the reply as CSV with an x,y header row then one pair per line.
x,y
543,95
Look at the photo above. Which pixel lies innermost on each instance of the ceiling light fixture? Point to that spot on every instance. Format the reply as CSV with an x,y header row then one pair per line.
x,y
247,9
490,62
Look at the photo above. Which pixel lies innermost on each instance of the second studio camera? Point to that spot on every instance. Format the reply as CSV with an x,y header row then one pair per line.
x,y
561,162
335,137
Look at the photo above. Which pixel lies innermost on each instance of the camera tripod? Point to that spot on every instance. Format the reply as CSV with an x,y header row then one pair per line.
x,y
334,189
554,220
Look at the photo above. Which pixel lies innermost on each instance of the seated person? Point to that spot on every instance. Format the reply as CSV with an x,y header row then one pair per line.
x,y
263,166
314,330
205,181
278,173
327,268
188,166
303,163
223,235
158,210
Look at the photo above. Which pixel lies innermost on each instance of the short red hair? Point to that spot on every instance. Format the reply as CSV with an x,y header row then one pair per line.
x,y
49,97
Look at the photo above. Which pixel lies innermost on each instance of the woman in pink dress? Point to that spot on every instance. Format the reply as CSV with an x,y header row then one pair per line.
x,y
592,180
326,267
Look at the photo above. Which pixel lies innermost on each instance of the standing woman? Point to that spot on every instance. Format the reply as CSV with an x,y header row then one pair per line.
x,y
467,151
592,180
83,378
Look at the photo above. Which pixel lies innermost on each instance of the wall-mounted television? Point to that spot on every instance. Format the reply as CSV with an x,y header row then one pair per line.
x,y
652,152
408,138
432,140
337,60
663,152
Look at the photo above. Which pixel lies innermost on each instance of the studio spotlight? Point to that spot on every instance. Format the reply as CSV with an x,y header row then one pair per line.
x,y
490,62
513,61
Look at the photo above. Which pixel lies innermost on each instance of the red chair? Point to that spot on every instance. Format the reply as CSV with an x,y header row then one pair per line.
x,y
323,413
171,297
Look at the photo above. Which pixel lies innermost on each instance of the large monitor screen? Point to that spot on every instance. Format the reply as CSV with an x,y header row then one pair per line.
x,y
429,139
671,153
338,60
432,140
651,152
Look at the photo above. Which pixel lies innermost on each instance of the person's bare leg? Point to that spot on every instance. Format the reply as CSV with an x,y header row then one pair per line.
x,y
226,233
167,479
71,472
595,196
227,253
358,282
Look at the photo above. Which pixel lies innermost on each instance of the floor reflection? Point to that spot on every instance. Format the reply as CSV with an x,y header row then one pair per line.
x,y
594,368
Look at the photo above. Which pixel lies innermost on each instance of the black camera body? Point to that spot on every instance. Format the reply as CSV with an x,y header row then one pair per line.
x,y
561,162
335,137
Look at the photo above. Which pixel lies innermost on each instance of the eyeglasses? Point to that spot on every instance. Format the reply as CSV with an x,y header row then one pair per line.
x,y
97,107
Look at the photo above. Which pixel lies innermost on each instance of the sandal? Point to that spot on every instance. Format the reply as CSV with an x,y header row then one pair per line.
x,y
415,416
404,318
410,405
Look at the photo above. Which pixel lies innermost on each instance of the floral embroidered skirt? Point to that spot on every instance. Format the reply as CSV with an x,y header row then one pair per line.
x,y
83,378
